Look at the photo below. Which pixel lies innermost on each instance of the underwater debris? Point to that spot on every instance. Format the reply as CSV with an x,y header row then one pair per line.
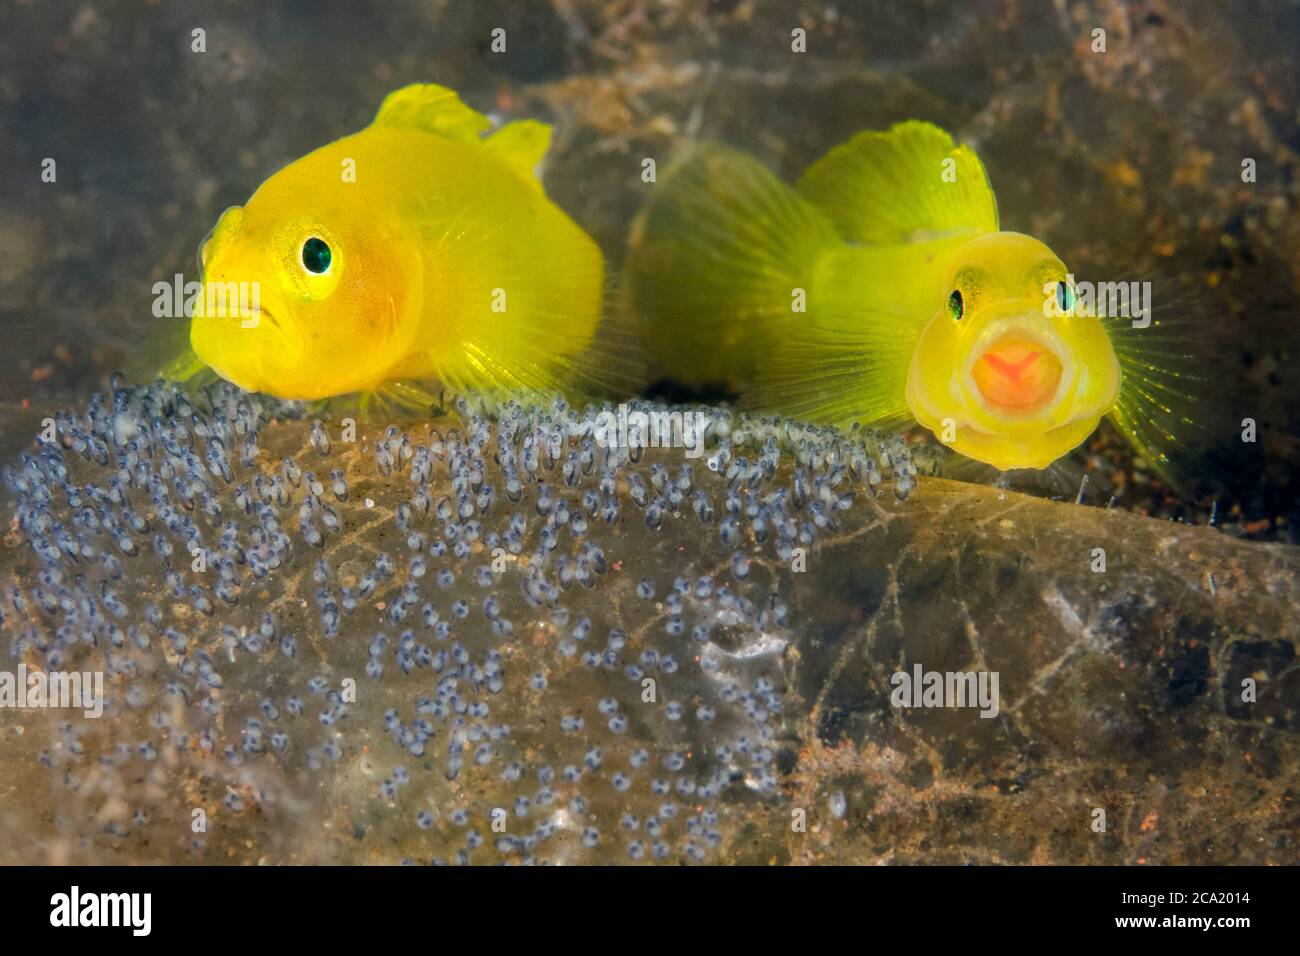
x,y
495,640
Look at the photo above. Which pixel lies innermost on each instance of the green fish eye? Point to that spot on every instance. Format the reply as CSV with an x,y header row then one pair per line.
x,y
1065,297
955,307
316,256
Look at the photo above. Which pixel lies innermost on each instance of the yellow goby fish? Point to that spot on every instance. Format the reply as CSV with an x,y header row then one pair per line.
x,y
882,290
415,249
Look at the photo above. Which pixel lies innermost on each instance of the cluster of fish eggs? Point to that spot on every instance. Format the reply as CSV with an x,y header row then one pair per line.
x,y
483,639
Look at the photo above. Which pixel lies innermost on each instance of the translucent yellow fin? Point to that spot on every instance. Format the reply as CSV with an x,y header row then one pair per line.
x,y
905,185
161,353
160,348
183,368
433,109
715,259
522,145
1167,407
400,400
550,354
848,365
412,397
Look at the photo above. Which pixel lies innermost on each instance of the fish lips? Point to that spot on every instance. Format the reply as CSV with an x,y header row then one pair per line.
x,y
276,345
255,349
1001,332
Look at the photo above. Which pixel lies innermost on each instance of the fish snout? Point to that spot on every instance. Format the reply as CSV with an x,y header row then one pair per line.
x,y
219,236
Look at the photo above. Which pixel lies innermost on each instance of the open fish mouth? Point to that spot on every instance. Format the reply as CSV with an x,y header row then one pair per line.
x,y
1017,374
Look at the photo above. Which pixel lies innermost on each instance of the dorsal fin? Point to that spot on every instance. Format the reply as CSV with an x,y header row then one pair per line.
x,y
433,109
896,187
522,145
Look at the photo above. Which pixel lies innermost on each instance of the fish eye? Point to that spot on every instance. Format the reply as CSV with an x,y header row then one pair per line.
x,y
955,307
1064,297
316,256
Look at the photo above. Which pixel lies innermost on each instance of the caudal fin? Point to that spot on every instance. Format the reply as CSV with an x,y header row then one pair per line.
x,y
718,260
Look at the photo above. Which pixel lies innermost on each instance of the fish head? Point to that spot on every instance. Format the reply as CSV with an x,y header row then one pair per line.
x,y
308,290
1008,371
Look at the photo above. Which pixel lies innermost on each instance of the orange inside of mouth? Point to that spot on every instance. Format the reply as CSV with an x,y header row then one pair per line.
x,y
1017,375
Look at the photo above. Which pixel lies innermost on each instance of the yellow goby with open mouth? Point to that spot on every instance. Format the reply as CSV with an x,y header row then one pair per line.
x,y
415,249
882,290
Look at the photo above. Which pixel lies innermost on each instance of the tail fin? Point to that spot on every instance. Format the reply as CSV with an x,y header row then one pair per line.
x,y
716,262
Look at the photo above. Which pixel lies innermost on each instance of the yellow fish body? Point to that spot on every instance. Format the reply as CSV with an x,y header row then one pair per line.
x,y
881,290
414,249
